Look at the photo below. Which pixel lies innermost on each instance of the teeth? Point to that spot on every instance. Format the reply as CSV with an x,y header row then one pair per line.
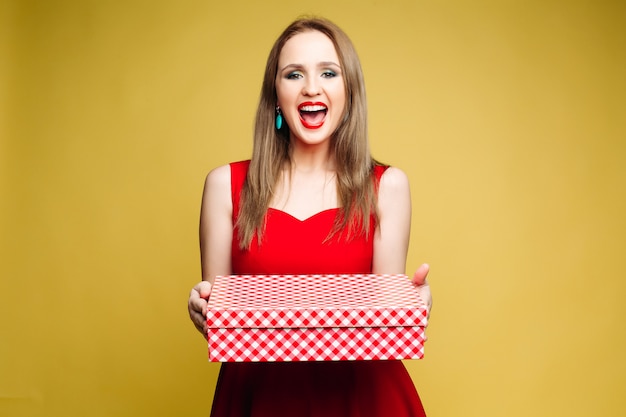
x,y
312,108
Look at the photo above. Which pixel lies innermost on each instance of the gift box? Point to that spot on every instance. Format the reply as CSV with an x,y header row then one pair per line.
x,y
315,318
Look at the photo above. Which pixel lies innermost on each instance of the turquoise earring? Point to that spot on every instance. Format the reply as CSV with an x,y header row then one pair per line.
x,y
279,119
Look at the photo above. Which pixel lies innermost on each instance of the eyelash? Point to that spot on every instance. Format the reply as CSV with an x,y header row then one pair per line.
x,y
298,75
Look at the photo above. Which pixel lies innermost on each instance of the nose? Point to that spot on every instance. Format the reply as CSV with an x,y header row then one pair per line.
x,y
311,87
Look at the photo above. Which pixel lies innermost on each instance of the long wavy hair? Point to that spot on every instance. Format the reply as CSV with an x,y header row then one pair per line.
x,y
349,144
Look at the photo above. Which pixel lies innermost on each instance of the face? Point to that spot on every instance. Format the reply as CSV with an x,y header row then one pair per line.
x,y
310,87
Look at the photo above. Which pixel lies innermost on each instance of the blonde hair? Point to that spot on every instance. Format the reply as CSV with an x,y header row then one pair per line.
x,y
349,143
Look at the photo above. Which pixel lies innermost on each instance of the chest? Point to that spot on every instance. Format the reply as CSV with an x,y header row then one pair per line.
x,y
293,246
303,196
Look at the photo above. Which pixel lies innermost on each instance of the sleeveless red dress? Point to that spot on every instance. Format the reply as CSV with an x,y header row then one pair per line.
x,y
309,389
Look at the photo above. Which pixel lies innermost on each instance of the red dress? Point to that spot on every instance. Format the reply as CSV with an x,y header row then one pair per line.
x,y
309,389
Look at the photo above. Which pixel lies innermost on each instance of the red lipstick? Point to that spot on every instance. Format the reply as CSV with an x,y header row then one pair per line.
x,y
312,114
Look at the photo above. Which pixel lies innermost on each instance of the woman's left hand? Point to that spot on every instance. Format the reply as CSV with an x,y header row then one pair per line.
x,y
419,279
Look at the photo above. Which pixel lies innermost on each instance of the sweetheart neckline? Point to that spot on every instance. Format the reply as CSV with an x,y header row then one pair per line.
x,y
314,215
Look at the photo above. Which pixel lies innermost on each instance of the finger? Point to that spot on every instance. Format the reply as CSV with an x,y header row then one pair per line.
x,y
425,295
198,305
419,278
199,321
196,312
199,296
204,289
201,289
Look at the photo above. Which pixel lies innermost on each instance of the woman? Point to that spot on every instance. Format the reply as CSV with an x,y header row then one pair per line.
x,y
310,200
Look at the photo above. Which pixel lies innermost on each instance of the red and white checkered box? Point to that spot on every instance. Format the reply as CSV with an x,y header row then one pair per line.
x,y
315,318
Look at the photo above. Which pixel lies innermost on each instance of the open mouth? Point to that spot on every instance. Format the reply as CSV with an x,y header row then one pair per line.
x,y
312,115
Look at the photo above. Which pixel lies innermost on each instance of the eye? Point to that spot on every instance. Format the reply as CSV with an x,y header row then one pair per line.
x,y
329,74
295,75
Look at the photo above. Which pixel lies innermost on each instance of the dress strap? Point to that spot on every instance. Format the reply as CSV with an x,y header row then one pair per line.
x,y
379,170
238,173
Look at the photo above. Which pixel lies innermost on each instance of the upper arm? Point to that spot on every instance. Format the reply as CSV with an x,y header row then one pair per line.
x,y
391,241
216,226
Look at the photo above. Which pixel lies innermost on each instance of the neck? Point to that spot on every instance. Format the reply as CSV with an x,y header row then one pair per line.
x,y
311,158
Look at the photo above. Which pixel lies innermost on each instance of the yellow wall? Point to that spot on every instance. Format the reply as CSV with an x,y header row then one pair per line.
x,y
507,116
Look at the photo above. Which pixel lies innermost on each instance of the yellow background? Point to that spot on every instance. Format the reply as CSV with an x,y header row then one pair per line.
x,y
508,116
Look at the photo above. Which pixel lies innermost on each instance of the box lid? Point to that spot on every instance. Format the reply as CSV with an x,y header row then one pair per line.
x,y
287,301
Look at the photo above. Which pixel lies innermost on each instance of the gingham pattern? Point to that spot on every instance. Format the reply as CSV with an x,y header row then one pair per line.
x,y
316,344
315,317
315,301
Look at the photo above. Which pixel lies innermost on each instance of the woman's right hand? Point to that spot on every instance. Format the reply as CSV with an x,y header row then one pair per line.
x,y
197,305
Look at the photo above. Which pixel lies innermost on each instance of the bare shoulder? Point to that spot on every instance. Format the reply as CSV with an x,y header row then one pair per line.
x,y
218,177
394,180
217,189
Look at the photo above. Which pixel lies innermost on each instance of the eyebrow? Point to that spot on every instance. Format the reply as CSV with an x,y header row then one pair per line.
x,y
319,64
